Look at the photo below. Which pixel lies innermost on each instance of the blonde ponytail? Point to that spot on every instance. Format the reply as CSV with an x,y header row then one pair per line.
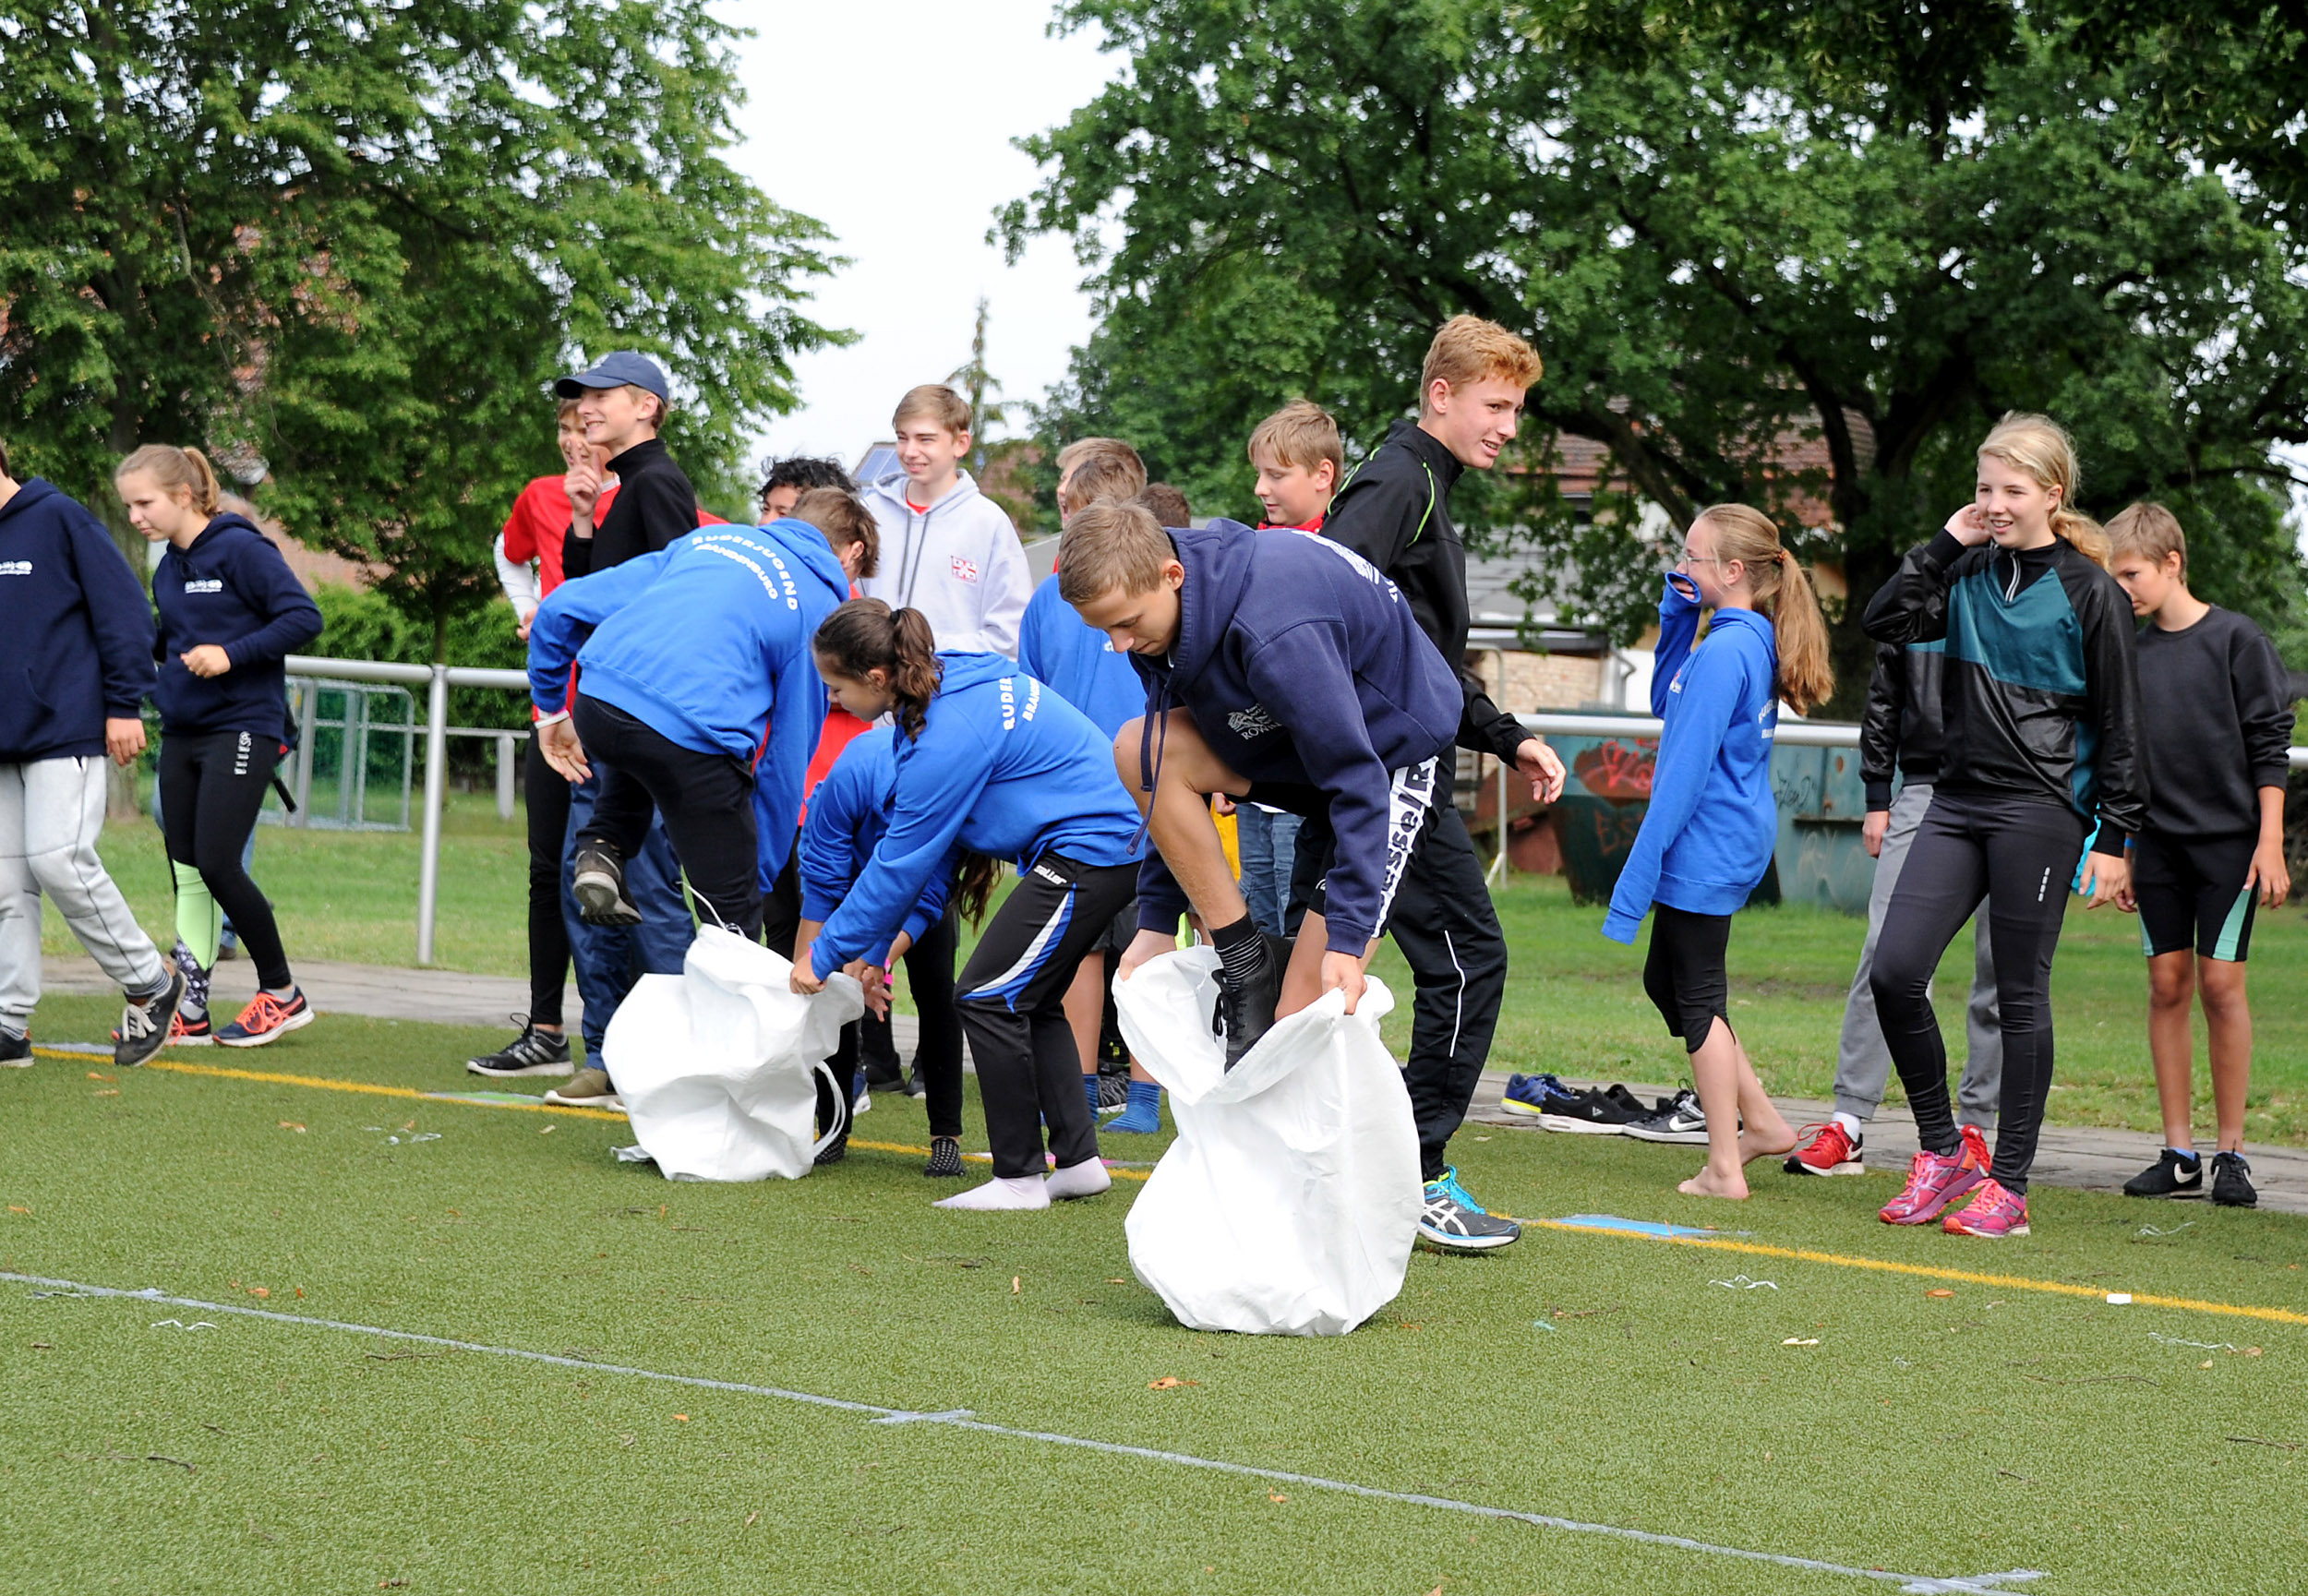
x,y
173,468
1783,590
2041,446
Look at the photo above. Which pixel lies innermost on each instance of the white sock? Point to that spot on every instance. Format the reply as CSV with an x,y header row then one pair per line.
x,y
1086,1179
1014,1192
1850,1123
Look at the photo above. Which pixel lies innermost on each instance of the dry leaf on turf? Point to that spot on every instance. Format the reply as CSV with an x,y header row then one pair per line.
x,y
1014,1285
1276,1496
680,1418
1941,1292
107,1092
258,1292
1800,1341
1168,1383
94,1076
292,1125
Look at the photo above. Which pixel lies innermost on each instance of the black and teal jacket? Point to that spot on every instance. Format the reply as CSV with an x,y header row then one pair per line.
x,y
2040,694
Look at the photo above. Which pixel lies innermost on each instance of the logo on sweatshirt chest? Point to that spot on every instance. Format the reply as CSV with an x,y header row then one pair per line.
x,y
1253,722
15,568
203,585
963,570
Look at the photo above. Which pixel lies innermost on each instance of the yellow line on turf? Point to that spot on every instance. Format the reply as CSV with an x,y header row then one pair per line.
x,y
1931,1272
1755,1249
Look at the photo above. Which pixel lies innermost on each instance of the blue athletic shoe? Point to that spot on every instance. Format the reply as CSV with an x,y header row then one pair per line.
x,y
1455,1222
1144,1116
1535,1095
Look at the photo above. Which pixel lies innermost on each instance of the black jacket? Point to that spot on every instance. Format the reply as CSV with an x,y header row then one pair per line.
x,y
1394,510
2216,713
2041,694
654,504
1901,733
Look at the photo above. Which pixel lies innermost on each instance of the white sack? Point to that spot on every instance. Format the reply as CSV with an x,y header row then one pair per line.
x,y
1289,1202
717,1065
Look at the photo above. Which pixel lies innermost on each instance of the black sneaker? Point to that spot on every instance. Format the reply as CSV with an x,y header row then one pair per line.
x,y
1592,1112
16,1051
1246,1011
2231,1181
534,1053
1114,1090
1454,1223
2169,1176
597,879
884,1075
945,1160
144,1024
1681,1120
838,1148
911,1085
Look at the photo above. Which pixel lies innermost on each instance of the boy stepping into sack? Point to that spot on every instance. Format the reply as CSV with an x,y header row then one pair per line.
x,y
1283,670
2215,721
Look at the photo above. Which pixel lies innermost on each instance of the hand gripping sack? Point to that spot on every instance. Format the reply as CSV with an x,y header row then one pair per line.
x,y
718,1065
1289,1202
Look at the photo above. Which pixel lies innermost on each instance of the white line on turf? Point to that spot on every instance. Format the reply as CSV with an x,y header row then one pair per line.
x,y
961,1419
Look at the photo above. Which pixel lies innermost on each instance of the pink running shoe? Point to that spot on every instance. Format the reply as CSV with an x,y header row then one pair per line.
x,y
1995,1213
1932,1184
1975,1147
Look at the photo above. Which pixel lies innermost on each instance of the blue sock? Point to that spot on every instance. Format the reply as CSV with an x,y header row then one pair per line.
x,y
2187,1155
1144,1116
1089,1090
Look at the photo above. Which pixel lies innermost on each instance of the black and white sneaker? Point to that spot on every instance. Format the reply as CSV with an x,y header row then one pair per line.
x,y
597,881
1594,1113
1682,1120
16,1051
2231,1181
144,1022
1455,1222
945,1160
2169,1176
534,1053
1245,1009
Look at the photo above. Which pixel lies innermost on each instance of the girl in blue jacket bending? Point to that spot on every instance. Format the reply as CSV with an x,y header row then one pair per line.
x,y
990,758
231,611
1706,839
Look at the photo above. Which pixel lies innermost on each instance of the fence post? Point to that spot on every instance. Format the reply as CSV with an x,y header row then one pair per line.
x,y
505,775
307,715
435,784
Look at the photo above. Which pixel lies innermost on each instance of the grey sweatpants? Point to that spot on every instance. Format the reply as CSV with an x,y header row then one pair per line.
x,y
52,812
1863,1062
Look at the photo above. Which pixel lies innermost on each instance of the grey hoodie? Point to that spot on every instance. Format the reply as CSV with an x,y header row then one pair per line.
x,y
959,562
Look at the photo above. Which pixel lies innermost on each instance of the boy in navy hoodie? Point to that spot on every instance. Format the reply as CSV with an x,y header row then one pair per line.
x,y
1281,669
79,645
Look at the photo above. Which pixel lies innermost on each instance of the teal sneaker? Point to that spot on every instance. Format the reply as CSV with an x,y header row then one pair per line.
x,y
1455,1222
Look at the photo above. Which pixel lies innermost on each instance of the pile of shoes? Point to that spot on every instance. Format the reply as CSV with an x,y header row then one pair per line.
x,y
1610,1110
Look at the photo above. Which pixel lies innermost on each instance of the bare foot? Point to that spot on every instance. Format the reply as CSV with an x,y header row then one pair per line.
x,y
1765,1142
1707,1183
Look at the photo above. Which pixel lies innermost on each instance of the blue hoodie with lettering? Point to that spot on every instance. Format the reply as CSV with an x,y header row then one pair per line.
x,y
1003,766
706,642
1301,664
1707,837
848,813
231,586
77,650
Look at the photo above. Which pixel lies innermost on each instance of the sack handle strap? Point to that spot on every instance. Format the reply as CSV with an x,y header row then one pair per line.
x,y
847,1111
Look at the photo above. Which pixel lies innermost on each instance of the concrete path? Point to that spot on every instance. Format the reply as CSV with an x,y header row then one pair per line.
x,y
2095,1160
2067,1155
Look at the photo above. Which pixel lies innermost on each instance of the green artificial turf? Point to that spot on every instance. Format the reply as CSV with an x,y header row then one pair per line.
x,y
1597,1377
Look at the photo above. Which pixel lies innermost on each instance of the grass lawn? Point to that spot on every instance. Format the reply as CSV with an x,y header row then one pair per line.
x,y
1574,1002
1600,1379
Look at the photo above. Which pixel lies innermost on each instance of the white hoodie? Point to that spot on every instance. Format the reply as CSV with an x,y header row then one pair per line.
x,y
959,562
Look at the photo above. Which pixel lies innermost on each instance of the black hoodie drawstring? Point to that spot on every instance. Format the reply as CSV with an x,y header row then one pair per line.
x,y
1151,757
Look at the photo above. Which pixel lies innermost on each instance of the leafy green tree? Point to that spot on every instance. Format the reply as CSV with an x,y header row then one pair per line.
x,y
344,243
1719,245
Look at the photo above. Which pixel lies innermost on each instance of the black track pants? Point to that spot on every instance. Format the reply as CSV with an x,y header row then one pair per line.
x,y
547,793
1012,998
212,784
2020,856
706,800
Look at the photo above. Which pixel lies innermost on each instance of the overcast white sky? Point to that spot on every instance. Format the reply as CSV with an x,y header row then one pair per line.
x,y
891,123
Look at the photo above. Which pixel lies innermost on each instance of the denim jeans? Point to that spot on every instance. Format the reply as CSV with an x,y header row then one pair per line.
x,y
609,959
1267,839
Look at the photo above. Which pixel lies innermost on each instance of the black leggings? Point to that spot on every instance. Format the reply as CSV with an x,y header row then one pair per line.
x,y
1684,974
706,800
212,784
547,792
2019,855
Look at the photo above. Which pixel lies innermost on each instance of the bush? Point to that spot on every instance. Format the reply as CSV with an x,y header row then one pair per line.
x,y
361,625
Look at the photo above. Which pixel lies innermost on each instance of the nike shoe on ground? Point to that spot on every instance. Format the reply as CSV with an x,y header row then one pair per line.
x,y
597,881
1832,1152
144,1026
1595,1113
1245,1009
1455,1222
1682,1121
1932,1184
267,1019
534,1053
2169,1176
945,1160
1534,1095
2231,1181
588,1088
1994,1214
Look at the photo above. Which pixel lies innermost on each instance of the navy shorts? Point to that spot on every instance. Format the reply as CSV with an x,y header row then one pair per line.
x,y
2191,891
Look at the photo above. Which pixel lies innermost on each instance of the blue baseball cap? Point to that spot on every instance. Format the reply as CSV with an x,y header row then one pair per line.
x,y
618,369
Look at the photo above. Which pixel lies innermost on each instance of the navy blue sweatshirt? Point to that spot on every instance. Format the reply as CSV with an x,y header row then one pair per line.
x,y
1301,664
231,587
77,648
